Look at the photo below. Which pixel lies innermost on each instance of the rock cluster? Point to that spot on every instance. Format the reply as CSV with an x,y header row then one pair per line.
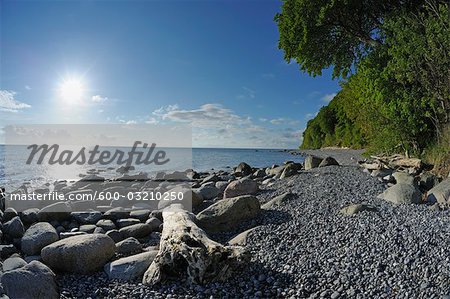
x,y
309,235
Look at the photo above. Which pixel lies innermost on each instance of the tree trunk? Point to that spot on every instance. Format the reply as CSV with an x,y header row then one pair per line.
x,y
185,249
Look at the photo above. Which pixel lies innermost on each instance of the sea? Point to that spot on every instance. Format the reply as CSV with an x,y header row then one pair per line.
x,y
14,171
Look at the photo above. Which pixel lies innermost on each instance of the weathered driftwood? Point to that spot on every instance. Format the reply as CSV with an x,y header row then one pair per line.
x,y
185,249
392,162
399,161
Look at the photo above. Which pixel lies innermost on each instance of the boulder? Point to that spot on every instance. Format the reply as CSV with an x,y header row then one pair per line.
x,y
32,281
278,200
7,250
440,193
65,235
427,181
243,169
275,170
9,214
58,211
228,213
403,178
37,237
221,185
290,170
154,223
312,162
260,173
82,254
241,239
116,213
129,245
13,262
402,194
356,208
106,224
87,217
240,187
87,228
126,222
328,161
14,228
142,215
188,196
130,268
29,216
139,230
115,235
209,192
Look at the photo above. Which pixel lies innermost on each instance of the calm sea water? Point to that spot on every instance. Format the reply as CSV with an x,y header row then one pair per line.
x,y
200,159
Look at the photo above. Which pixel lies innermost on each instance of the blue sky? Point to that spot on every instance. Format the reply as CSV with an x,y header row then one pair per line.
x,y
213,64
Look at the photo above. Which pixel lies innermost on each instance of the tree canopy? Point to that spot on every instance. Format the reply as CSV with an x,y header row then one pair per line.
x,y
393,58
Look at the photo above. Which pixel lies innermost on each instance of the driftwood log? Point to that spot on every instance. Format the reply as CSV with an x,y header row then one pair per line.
x,y
185,249
392,162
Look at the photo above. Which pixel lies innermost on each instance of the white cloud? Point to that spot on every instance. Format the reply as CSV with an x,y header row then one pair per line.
x,y
328,97
152,121
284,121
214,125
99,99
27,87
9,103
131,122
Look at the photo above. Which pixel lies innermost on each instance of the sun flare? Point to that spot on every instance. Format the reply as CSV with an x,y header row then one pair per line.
x,y
71,90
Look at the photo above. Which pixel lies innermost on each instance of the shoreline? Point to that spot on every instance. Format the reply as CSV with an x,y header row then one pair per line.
x,y
301,243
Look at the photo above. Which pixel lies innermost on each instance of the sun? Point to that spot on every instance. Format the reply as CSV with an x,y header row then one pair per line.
x,y
71,90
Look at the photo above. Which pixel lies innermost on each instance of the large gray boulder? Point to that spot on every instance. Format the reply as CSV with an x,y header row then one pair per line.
x,y
278,200
274,170
139,230
356,208
82,254
58,211
37,237
129,245
209,192
228,213
243,169
328,161
290,170
32,281
240,187
403,178
13,262
440,193
241,239
130,268
402,194
312,162
14,228
87,217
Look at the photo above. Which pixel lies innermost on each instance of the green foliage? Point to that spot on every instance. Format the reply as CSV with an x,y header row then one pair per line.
x,y
399,98
319,34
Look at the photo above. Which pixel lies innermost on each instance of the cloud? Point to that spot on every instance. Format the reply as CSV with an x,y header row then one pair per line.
x,y
214,125
284,121
152,121
27,87
9,103
99,99
131,122
328,97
